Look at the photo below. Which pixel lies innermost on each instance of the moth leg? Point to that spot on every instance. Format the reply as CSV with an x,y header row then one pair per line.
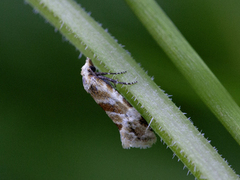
x,y
106,73
115,81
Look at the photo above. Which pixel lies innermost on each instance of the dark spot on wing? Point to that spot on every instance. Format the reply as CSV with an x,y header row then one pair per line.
x,y
111,108
143,122
93,89
119,126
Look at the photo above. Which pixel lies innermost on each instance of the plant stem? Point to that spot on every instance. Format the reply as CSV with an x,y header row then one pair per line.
x,y
200,77
167,120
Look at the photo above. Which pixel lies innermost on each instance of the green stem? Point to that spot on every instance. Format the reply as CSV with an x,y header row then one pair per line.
x,y
189,63
167,120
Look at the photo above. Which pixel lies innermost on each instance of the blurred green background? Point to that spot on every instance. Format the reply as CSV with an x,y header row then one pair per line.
x,y
50,128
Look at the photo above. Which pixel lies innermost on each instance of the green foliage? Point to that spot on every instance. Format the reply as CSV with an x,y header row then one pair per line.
x,y
45,120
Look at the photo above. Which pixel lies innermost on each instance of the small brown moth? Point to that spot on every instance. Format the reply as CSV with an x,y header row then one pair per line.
x,y
133,128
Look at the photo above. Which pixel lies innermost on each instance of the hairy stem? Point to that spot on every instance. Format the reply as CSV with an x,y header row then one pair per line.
x,y
189,63
166,119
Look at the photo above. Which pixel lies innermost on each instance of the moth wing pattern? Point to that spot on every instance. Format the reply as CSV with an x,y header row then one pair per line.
x,y
133,128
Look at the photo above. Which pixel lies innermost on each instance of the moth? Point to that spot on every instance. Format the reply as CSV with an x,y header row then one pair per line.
x,y
133,128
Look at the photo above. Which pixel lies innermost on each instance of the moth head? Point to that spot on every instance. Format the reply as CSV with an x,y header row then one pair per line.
x,y
92,68
88,68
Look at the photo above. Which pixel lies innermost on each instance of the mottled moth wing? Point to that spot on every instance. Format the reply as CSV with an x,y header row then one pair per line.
x,y
133,128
